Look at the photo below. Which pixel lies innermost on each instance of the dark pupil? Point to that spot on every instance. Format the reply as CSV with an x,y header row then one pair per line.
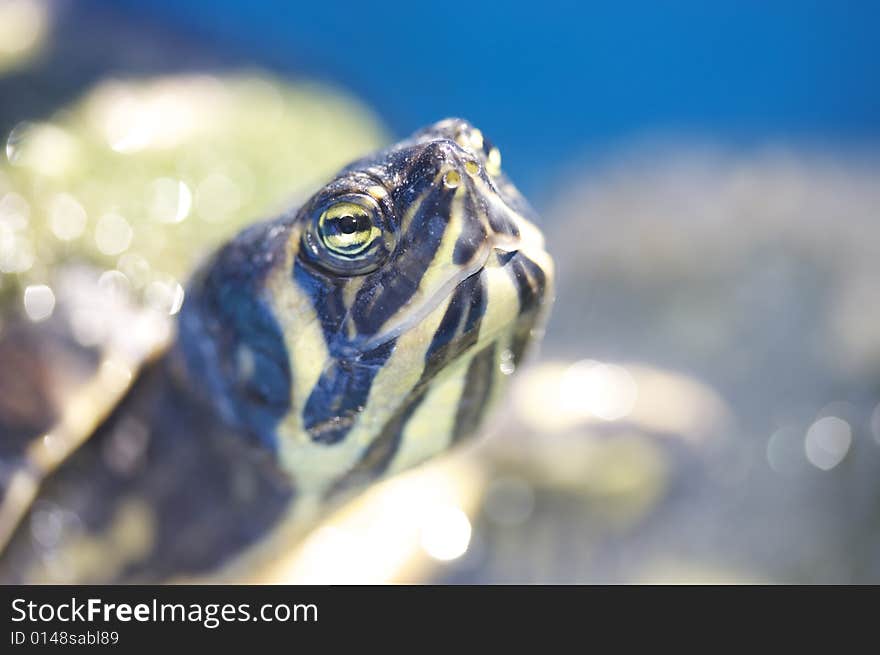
x,y
352,224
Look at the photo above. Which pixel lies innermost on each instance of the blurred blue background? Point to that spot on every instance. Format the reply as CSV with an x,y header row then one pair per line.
x,y
706,406
552,79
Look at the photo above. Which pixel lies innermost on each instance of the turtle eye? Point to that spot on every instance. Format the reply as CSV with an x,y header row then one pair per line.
x,y
348,235
347,228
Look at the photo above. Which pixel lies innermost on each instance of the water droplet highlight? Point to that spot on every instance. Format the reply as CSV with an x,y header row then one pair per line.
x,y
113,234
67,217
39,302
507,365
827,442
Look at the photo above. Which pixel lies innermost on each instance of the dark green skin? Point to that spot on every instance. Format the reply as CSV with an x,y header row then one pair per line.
x,y
212,493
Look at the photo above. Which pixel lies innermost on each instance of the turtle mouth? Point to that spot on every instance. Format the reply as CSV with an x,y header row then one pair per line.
x,y
429,304
497,251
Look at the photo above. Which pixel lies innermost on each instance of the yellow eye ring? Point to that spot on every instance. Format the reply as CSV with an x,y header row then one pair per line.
x,y
348,234
347,228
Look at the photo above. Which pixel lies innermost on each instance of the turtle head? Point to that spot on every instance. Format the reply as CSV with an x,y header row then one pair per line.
x,y
372,328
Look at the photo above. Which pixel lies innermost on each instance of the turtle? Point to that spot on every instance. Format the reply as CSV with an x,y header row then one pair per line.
x,y
356,336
